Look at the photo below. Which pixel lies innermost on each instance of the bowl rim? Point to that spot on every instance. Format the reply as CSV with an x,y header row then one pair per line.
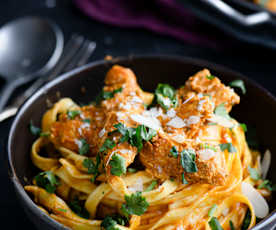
x,y
19,189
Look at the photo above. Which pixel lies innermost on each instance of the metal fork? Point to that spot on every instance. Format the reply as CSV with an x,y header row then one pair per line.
x,y
76,53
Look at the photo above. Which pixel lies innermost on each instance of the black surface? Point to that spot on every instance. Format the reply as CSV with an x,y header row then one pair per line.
x,y
255,62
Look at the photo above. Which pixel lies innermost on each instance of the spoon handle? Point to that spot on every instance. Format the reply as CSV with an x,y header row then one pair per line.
x,y
6,93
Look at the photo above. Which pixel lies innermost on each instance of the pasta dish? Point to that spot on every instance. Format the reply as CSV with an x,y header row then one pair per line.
x,y
173,159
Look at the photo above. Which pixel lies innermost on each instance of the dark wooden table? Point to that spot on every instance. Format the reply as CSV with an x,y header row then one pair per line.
x,y
255,62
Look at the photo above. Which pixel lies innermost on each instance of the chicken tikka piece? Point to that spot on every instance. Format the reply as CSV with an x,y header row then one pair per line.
x,y
169,130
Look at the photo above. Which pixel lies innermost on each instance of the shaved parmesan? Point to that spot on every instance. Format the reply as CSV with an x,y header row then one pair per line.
x,y
176,122
266,163
179,138
259,204
206,154
221,121
192,120
171,113
150,122
137,186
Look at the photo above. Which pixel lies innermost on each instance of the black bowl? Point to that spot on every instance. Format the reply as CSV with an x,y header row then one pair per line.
x,y
258,108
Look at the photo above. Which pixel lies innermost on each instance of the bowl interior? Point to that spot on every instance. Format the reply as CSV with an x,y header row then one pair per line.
x,y
257,107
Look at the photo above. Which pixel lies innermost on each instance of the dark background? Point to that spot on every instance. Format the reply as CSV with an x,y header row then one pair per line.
x,y
255,62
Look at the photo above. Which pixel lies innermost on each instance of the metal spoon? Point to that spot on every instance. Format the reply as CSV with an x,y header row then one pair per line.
x,y
29,48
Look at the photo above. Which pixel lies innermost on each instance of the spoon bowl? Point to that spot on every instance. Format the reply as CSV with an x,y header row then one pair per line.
x,y
29,48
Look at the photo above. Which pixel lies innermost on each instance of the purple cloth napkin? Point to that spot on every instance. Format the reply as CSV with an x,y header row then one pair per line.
x,y
166,17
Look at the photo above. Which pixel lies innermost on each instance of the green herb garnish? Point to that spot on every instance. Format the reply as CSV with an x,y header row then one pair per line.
x,y
92,168
220,110
246,221
47,180
230,148
214,224
254,174
132,170
212,210
83,147
238,84
232,227
44,134
187,160
267,185
78,208
62,210
87,120
108,144
210,77
207,146
118,165
135,204
71,114
184,181
174,152
243,126
151,186
104,95
33,129
165,96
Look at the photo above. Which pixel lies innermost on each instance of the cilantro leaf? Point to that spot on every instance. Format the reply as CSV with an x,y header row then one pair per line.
x,y
83,147
118,165
210,77
87,120
104,95
33,129
92,168
78,207
108,144
243,126
62,210
184,181
214,224
212,210
207,146
165,96
146,135
109,224
230,148
151,186
238,84
174,152
232,227
254,173
47,180
71,114
135,204
187,160
267,185
44,134
220,110
246,221
132,170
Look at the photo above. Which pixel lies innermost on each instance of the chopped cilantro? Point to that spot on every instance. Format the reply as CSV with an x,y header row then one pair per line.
x,y
210,77
108,144
62,210
238,84
135,136
92,168
104,95
118,165
254,174
220,110
83,147
230,148
165,96
132,170
33,129
267,185
71,114
246,221
232,227
87,120
151,186
184,181
243,126
174,152
78,208
135,204
109,224
44,134
212,210
207,146
214,224
187,160
47,180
